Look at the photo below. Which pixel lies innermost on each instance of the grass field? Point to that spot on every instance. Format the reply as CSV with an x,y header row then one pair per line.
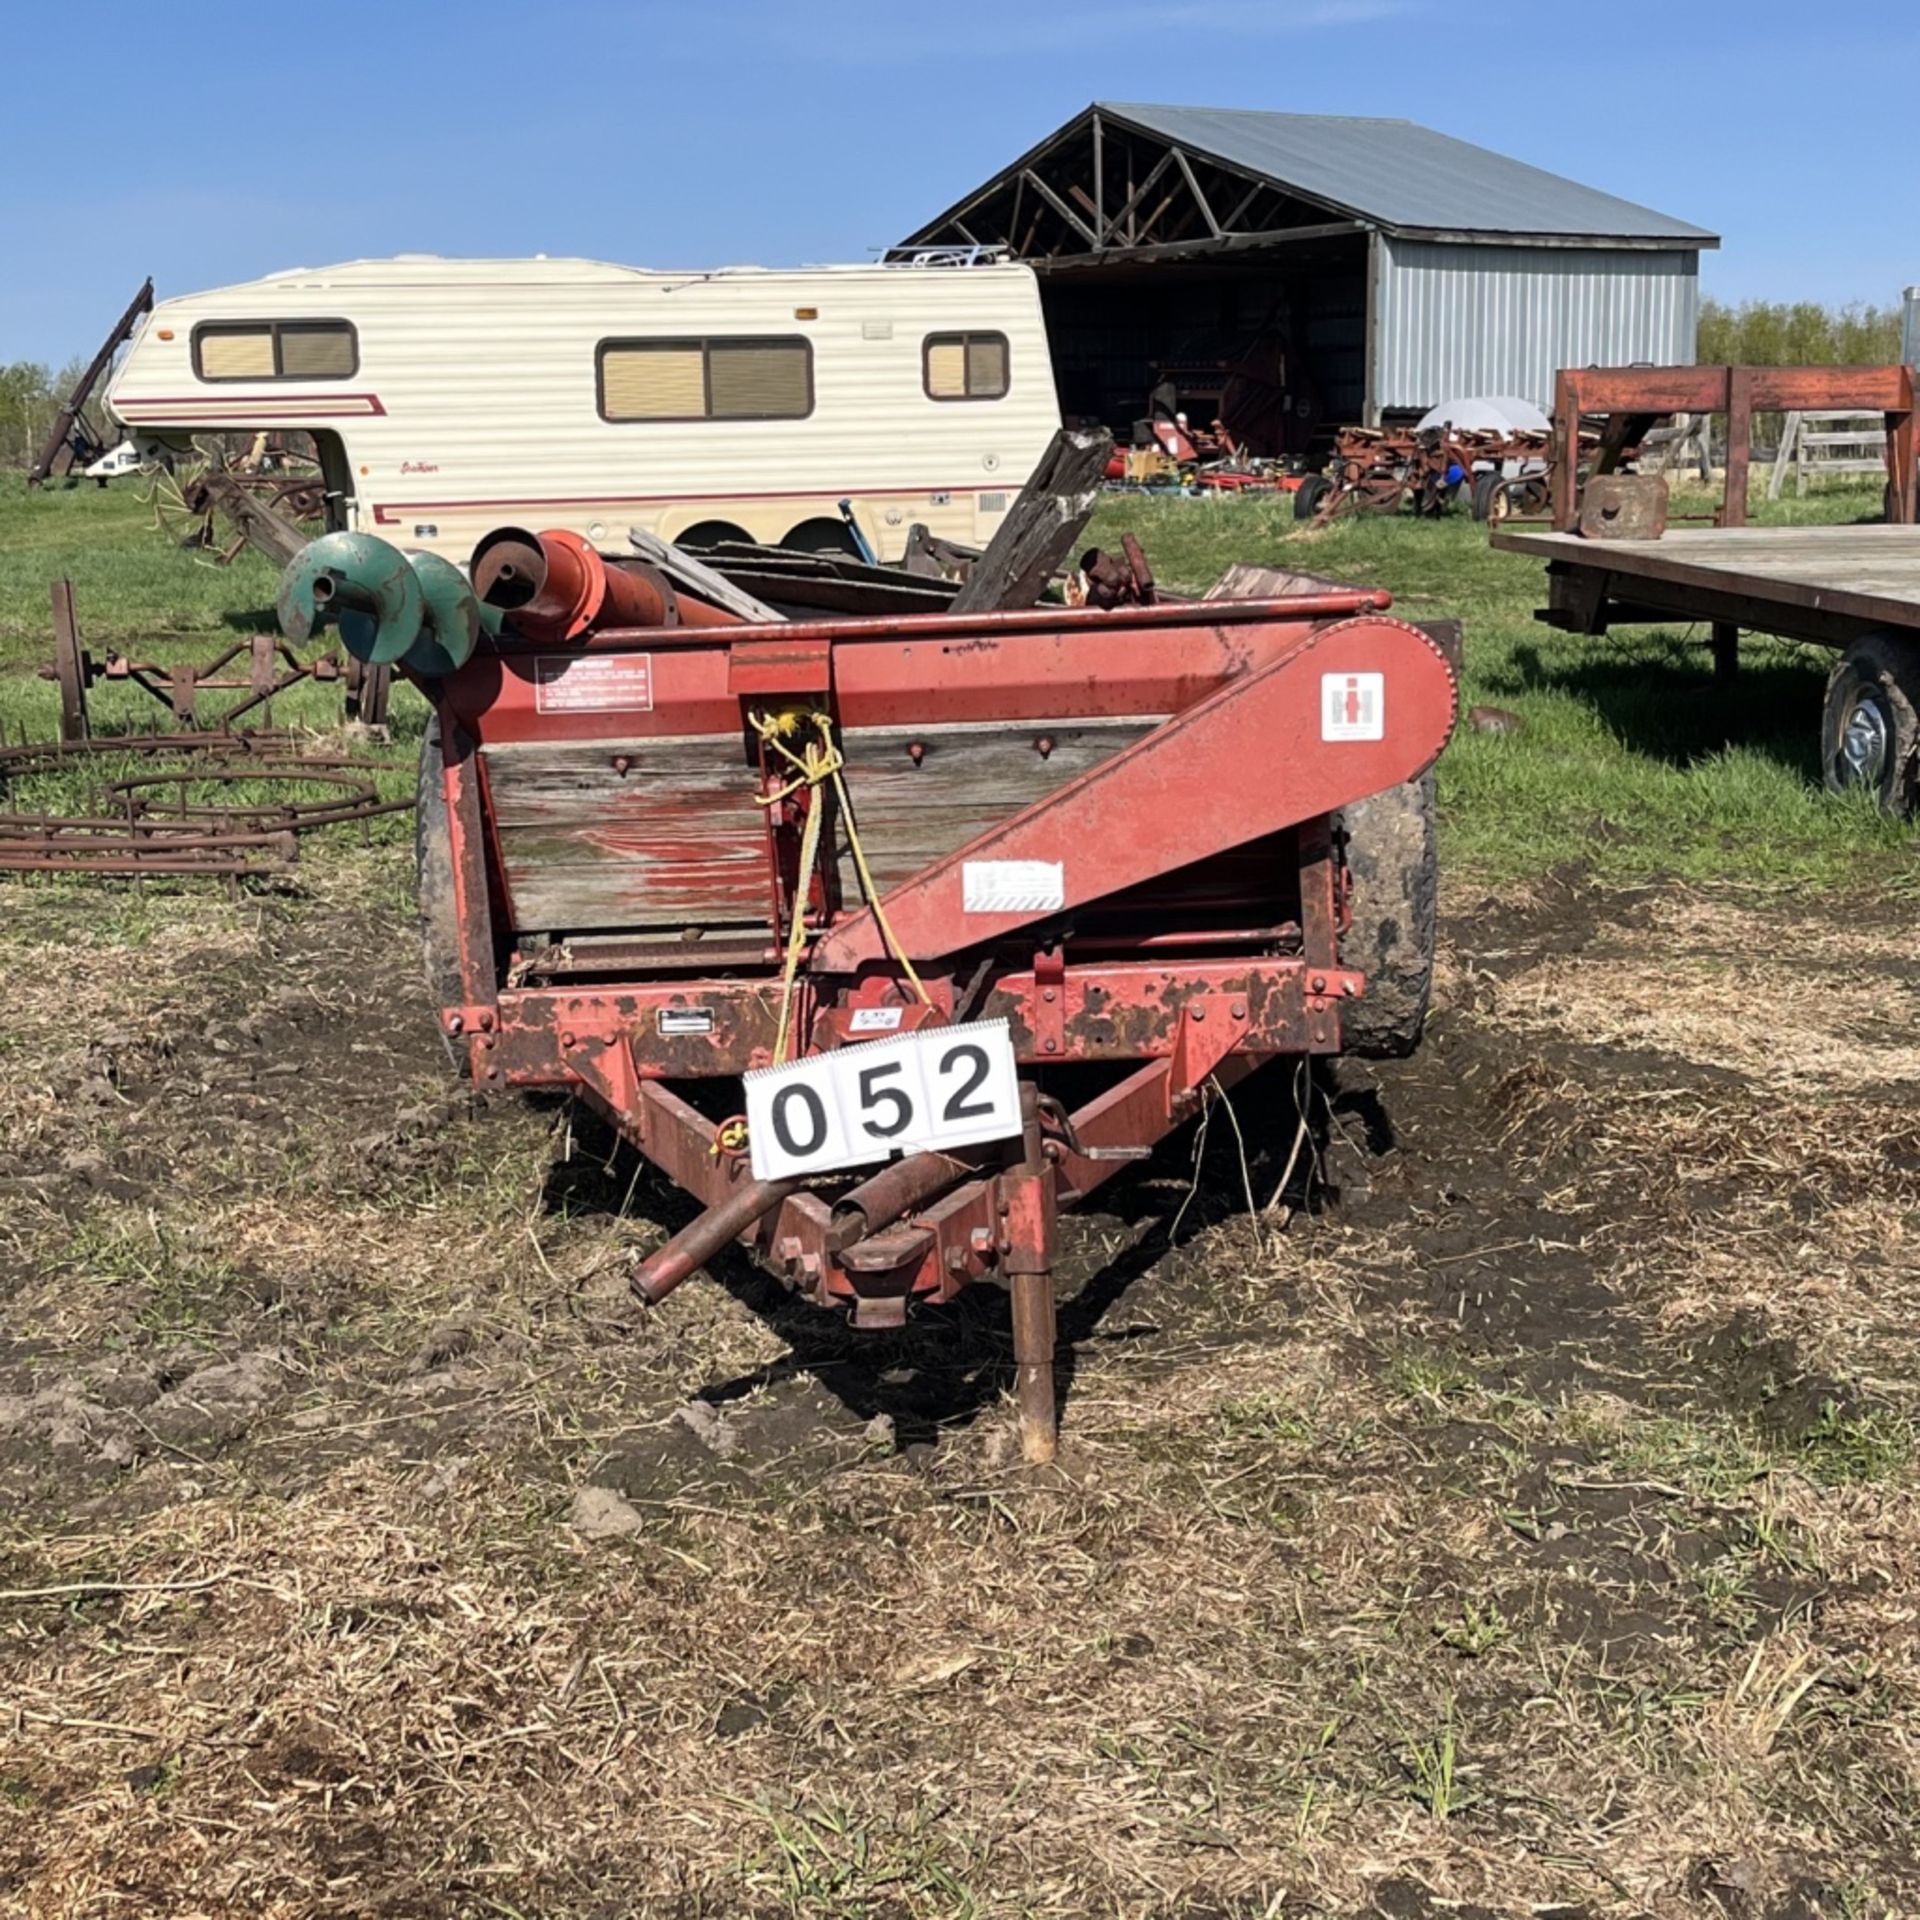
x,y
1632,762
1513,1518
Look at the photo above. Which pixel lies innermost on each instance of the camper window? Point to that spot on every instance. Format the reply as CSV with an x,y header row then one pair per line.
x,y
705,379
276,350
965,366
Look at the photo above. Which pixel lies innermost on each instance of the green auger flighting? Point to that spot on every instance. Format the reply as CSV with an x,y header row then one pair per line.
x,y
411,610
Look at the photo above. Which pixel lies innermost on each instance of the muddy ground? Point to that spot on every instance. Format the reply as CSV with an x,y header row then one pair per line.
x,y
1518,1518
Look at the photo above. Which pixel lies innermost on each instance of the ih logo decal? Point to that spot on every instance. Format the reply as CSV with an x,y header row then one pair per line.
x,y
1353,706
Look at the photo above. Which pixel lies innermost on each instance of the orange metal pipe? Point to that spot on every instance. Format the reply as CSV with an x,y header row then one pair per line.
x,y
553,586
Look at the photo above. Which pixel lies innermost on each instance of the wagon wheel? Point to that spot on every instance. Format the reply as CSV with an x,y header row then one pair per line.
x,y
1347,495
70,669
1870,730
1310,493
1392,892
302,499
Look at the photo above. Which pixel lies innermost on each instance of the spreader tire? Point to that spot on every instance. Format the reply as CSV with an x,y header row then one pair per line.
x,y
1308,495
1392,870
1870,729
1487,488
433,889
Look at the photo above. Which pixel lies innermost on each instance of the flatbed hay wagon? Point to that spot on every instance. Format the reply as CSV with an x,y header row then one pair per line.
x,y
1615,556
886,938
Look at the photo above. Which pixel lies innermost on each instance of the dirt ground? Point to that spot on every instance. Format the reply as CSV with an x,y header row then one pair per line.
x,y
1517,1519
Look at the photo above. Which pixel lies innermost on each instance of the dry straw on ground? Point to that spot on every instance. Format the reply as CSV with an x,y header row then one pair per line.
x,y
1529,1535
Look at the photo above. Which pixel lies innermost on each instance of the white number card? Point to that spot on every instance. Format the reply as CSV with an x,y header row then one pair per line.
x,y
941,1087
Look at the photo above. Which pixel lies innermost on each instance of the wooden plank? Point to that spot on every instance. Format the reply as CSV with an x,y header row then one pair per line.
x,y
832,583
1042,526
911,812
1249,580
809,597
1193,187
697,577
1741,406
266,531
1866,574
1788,454
1061,208
675,841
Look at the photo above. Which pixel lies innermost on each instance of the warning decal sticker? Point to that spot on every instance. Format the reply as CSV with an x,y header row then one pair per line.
x,y
593,682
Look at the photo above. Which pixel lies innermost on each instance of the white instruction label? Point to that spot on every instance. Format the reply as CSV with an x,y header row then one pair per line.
x,y
593,683
1013,886
875,1020
1353,706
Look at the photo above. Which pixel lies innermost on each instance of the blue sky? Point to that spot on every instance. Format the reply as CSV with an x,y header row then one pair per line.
x,y
777,131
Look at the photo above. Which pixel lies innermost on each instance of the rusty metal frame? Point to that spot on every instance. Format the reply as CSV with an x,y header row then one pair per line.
x,y
272,669
1241,760
1634,399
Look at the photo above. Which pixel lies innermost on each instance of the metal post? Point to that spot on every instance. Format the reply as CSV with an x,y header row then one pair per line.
x,y
1029,1256
1726,651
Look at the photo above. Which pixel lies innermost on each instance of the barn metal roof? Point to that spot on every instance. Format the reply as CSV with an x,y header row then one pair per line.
x,y
1406,177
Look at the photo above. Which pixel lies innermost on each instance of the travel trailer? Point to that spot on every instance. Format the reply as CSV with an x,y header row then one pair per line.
x,y
449,397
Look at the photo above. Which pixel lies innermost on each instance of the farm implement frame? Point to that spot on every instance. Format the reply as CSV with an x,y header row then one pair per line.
x,y
661,857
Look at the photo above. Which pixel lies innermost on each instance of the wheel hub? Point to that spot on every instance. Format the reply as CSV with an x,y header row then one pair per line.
x,y
1863,744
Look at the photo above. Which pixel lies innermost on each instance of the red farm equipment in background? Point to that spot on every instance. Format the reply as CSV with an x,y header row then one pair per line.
x,y
888,937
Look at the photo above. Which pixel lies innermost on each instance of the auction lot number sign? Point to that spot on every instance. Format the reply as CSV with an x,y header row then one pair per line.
x,y
938,1088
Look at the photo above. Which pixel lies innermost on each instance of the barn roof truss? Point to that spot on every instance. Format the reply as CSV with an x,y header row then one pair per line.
x,y
1101,189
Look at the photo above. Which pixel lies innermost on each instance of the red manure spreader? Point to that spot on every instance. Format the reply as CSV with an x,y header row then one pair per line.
x,y
887,937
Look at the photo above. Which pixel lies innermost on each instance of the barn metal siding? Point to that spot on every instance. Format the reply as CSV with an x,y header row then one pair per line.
x,y
1456,320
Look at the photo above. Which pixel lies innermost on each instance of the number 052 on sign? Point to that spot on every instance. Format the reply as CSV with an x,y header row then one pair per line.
x,y
940,1087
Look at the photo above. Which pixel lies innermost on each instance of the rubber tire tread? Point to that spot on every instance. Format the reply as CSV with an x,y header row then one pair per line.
x,y
1890,664
1393,891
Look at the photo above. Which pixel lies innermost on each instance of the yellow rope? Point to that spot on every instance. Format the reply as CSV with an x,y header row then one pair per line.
x,y
818,763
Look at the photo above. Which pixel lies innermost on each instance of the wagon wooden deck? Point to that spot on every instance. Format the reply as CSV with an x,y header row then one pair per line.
x,y
1825,584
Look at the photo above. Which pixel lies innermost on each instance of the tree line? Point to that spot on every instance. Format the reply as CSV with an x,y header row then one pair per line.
x,y
1797,333
30,395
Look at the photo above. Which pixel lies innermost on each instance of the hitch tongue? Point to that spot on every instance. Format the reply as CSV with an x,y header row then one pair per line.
x,y
697,1242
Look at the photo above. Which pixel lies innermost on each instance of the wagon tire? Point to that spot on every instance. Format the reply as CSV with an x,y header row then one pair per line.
x,y
439,919
70,668
1392,874
1870,728
1308,495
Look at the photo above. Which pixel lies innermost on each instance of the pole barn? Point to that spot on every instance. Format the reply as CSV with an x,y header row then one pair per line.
x,y
1292,273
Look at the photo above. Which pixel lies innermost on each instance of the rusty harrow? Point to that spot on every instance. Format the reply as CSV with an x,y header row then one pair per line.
x,y
180,803
272,667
